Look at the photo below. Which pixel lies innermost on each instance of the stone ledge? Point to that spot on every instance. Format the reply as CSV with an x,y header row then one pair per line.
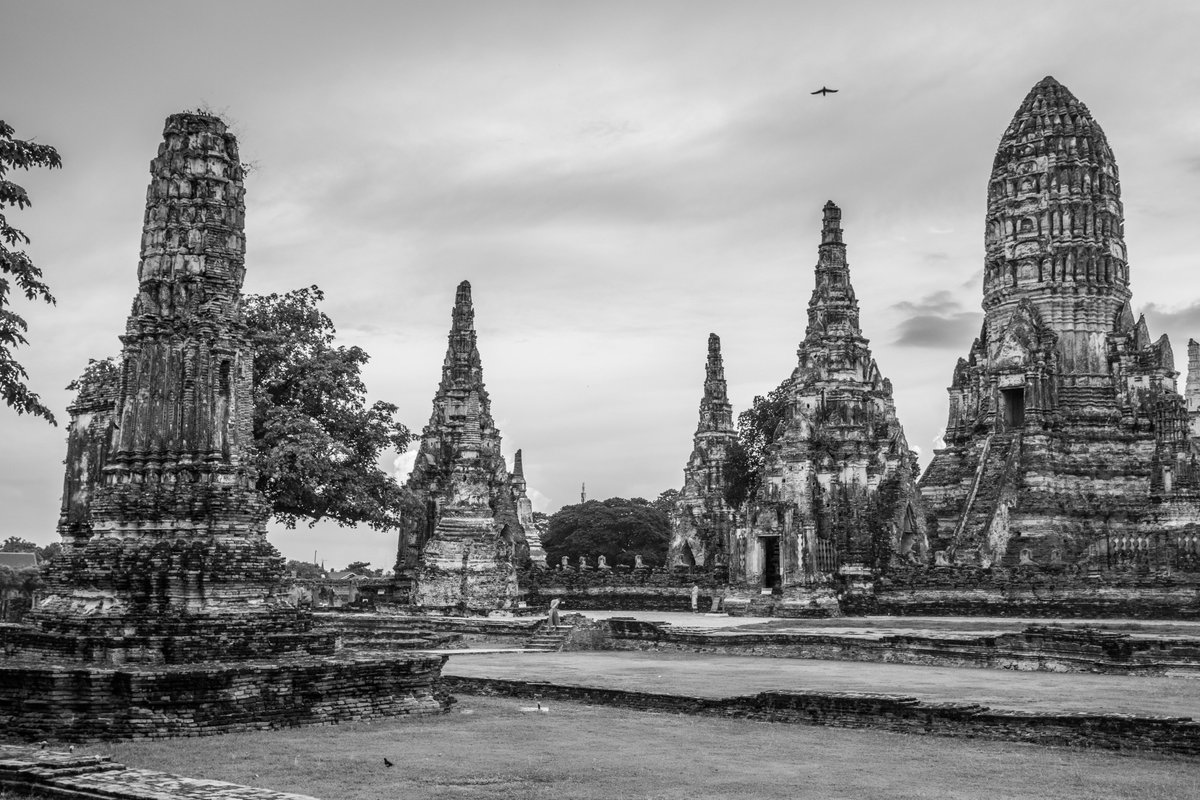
x,y
64,776
895,713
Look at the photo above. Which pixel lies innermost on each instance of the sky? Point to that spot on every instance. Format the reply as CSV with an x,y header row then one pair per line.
x,y
617,180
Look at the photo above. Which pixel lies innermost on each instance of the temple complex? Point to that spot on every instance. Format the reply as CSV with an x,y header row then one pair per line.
x,y
165,612
533,530
702,520
836,499
1067,444
461,548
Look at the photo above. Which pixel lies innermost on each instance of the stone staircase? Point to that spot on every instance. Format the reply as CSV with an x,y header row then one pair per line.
x,y
548,638
989,483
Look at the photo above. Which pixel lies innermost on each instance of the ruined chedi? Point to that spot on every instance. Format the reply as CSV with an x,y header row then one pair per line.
x,y
460,549
163,531
164,614
533,531
1067,443
702,520
836,499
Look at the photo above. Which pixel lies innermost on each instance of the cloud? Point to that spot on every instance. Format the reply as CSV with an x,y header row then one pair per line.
x,y
938,321
403,465
1182,318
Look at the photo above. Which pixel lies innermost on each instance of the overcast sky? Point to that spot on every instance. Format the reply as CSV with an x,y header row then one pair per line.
x,y
616,180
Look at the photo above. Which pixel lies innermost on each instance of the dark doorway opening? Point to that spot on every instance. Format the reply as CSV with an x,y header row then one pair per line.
x,y
772,579
1013,401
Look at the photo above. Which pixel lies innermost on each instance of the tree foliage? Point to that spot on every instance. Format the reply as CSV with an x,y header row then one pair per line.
x,y
757,428
16,544
303,569
616,528
317,442
18,271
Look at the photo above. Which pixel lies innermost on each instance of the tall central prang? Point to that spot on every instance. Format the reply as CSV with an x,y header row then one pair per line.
x,y
460,548
1066,443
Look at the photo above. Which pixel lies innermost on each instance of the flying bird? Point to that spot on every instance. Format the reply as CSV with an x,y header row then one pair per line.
x,y
387,763
824,91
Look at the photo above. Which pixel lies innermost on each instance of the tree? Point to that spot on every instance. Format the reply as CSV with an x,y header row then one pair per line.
x,y
303,569
8,582
317,443
616,528
16,268
757,428
15,544
666,501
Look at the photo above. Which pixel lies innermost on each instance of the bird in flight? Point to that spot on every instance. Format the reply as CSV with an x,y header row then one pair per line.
x,y
386,762
824,91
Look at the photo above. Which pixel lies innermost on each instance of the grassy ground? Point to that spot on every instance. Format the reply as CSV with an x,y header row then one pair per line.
x,y
497,748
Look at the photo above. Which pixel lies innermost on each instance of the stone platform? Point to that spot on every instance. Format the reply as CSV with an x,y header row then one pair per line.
x,y
1101,711
77,702
34,772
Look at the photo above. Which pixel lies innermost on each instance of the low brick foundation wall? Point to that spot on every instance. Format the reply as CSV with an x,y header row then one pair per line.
x,y
1035,648
900,714
53,775
1029,592
620,588
75,703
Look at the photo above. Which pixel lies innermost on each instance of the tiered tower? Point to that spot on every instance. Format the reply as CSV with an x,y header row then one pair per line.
x,y
1065,432
533,533
164,533
836,497
702,520
166,603
461,549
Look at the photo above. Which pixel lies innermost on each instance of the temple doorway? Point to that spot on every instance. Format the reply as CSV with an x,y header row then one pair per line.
x,y
1013,401
772,579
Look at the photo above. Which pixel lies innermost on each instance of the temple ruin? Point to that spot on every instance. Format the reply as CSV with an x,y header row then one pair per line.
x,y
533,530
836,499
462,545
1067,445
165,612
702,520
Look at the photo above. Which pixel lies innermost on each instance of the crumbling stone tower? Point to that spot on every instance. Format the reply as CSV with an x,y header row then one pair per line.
x,y
460,550
836,499
1066,442
702,519
164,614
164,533
533,533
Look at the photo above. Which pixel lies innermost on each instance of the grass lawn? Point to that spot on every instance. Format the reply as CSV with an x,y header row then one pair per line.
x,y
496,748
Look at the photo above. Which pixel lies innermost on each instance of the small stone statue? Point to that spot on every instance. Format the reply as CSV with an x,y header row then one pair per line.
x,y
583,565
1026,558
637,562
564,564
939,559
601,562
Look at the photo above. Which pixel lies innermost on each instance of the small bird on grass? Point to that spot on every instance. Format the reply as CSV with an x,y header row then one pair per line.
x,y
387,763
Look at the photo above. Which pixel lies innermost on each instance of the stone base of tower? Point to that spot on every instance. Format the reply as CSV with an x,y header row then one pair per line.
x,y
41,699
465,568
793,602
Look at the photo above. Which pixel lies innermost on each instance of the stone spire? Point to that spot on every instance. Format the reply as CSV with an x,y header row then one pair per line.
x,y
716,414
702,519
461,550
1054,231
533,532
1192,387
161,522
833,308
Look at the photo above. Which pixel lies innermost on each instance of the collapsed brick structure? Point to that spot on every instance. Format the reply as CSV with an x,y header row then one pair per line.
x,y
533,530
1067,445
167,598
837,496
702,519
461,548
